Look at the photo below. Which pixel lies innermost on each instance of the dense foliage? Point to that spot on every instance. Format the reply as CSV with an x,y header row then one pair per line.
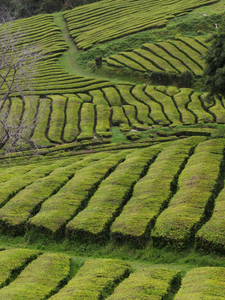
x,y
215,64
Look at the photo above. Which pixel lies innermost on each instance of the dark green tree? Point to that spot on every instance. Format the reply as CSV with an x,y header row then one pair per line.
x,y
214,72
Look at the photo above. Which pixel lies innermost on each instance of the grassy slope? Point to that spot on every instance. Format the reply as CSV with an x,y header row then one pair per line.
x,y
186,259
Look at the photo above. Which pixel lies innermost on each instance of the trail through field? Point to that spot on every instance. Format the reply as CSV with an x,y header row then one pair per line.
x,y
68,59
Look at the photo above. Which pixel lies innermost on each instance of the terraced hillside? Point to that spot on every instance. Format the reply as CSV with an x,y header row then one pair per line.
x,y
84,116
113,19
125,199
175,56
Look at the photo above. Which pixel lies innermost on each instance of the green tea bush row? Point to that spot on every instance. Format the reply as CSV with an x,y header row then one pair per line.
x,y
203,283
211,237
13,261
95,280
96,24
13,186
142,109
182,100
153,51
156,113
112,96
71,129
167,103
94,221
40,279
193,202
57,119
153,192
74,196
14,215
103,121
87,122
196,107
150,283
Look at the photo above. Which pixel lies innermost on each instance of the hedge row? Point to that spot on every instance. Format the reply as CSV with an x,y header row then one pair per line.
x,y
195,106
14,215
13,261
57,119
182,100
94,221
40,279
73,116
211,237
150,283
74,196
142,109
87,122
171,56
13,186
203,283
103,121
95,280
153,192
197,186
96,24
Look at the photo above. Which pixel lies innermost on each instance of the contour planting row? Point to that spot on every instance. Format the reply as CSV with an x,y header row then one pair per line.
x,y
123,195
29,274
153,192
81,116
95,24
175,56
191,206
19,208
42,35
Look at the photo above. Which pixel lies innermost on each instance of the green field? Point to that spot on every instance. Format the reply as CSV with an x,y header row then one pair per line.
x,y
123,196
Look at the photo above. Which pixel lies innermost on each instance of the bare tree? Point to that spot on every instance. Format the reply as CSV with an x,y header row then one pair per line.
x,y
18,60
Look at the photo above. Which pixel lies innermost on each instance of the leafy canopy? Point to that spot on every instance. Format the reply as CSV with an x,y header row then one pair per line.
x,y
215,64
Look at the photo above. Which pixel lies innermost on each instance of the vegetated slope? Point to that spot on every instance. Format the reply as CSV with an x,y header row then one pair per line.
x,y
174,56
49,76
83,116
96,23
29,274
122,195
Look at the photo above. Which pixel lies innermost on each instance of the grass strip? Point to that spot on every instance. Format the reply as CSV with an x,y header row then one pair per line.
x,y
197,186
40,279
154,283
153,192
95,280
94,221
203,283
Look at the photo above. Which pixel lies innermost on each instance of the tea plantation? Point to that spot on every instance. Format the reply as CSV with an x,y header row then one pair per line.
x,y
123,197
